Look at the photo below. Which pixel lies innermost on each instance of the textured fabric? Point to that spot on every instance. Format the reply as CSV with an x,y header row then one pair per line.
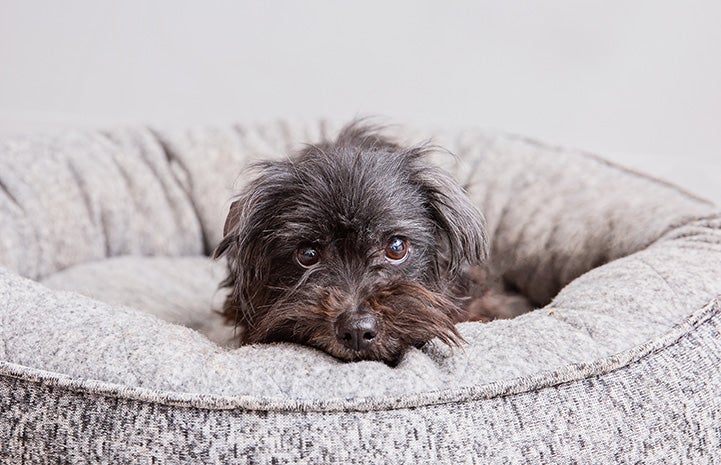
x,y
180,290
87,196
659,403
619,364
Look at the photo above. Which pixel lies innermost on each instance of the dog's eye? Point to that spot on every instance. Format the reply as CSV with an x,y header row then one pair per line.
x,y
307,256
397,250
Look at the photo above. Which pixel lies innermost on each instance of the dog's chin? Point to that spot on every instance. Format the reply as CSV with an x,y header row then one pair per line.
x,y
389,353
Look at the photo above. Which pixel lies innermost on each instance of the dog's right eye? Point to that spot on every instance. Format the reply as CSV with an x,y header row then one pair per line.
x,y
397,250
307,256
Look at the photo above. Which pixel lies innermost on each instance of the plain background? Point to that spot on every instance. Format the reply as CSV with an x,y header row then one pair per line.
x,y
635,81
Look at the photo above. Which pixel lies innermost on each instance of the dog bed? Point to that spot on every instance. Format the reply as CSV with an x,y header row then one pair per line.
x,y
102,232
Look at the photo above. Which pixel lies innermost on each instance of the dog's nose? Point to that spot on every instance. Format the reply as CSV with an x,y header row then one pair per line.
x,y
356,331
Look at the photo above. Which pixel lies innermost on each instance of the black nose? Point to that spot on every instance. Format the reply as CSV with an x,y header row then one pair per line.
x,y
356,331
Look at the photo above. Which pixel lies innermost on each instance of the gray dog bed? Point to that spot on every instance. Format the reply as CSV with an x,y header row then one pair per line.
x,y
102,232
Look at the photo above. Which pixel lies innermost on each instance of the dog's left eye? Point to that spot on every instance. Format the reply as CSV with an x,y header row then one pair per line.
x,y
397,250
307,256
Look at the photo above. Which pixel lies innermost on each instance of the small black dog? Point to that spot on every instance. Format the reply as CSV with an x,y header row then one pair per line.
x,y
358,247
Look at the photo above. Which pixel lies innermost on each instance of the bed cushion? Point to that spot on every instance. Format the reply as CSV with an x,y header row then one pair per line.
x,y
619,361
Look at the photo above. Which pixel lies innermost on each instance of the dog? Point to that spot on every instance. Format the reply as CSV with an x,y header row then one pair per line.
x,y
359,247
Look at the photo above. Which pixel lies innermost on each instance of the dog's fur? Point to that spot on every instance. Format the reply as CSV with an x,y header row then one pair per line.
x,y
346,200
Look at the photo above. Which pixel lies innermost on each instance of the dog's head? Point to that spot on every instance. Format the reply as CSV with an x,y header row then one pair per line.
x,y
351,246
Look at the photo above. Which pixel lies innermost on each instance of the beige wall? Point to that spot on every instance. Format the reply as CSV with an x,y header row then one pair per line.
x,y
639,81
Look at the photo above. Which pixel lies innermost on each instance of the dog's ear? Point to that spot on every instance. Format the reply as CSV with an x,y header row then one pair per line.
x,y
253,209
233,218
232,221
245,238
461,226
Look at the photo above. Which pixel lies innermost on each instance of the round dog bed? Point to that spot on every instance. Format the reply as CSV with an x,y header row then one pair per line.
x,y
101,232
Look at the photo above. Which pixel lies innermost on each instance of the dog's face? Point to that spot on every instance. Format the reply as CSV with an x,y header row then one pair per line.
x,y
353,247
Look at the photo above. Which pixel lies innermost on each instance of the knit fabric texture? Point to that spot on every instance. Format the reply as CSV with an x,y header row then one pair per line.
x,y
112,351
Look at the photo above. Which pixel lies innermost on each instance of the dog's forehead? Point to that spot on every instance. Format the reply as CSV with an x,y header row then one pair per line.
x,y
352,190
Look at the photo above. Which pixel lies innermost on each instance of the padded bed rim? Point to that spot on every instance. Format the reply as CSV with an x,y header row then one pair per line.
x,y
571,373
